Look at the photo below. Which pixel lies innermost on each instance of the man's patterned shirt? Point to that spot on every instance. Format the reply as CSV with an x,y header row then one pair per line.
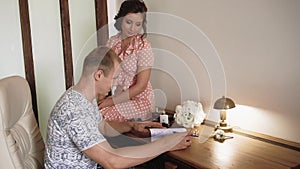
x,y
72,128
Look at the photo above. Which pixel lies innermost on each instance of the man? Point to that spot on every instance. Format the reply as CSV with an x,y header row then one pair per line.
x,y
75,137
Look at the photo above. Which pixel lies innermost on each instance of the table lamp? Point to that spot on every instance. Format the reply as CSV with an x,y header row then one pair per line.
x,y
223,104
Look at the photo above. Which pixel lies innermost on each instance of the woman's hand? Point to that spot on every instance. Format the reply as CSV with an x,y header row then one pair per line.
x,y
106,102
119,90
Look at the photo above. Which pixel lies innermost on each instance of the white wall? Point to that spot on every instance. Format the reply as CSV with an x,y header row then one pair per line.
x,y
258,44
47,56
11,58
83,32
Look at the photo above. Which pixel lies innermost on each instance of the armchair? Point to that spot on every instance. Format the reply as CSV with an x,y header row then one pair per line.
x,y
20,140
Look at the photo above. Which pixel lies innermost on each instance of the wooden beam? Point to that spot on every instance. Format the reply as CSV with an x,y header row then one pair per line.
x,y
101,21
27,52
66,39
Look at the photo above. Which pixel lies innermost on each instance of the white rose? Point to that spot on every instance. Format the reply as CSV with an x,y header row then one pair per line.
x,y
189,113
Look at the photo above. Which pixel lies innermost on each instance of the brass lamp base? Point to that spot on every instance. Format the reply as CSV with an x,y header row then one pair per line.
x,y
224,127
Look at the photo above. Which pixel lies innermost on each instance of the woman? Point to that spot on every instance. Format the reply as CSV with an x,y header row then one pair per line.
x,y
133,98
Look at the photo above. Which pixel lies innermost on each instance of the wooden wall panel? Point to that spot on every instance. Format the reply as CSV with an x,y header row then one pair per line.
x,y
101,21
27,52
67,46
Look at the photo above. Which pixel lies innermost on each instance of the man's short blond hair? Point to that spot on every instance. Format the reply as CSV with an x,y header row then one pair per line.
x,y
101,58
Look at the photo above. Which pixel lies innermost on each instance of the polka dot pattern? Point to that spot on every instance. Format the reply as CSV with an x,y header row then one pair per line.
x,y
138,55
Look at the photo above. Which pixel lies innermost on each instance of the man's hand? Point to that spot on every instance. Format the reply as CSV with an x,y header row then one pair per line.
x,y
141,129
183,144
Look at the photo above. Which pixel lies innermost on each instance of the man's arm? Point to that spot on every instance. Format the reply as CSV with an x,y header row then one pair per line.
x,y
115,128
126,157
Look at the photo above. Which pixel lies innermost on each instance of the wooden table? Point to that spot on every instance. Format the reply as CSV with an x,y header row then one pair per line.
x,y
245,151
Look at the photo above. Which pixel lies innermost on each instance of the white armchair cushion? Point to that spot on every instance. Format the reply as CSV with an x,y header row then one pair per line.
x,y
20,138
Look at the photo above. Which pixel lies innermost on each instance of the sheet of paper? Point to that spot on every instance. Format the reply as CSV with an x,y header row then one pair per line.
x,y
158,133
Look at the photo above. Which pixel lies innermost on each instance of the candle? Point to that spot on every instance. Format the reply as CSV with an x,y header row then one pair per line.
x,y
164,118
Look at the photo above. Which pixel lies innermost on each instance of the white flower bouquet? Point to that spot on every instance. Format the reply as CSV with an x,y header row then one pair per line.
x,y
189,114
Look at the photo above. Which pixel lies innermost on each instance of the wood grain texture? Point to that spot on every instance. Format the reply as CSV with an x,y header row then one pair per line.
x,y
101,21
66,39
239,152
27,52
